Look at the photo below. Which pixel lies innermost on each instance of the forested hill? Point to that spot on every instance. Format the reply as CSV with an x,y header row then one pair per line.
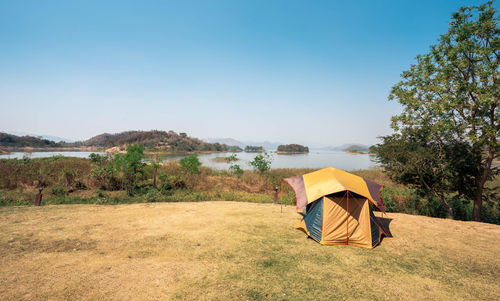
x,y
152,140
9,140
159,140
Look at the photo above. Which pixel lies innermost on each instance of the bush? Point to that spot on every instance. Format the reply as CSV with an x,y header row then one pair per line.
x,y
79,185
153,195
236,169
100,194
59,190
261,162
190,164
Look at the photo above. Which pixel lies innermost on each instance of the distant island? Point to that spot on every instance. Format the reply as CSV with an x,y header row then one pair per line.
x,y
254,149
292,149
153,141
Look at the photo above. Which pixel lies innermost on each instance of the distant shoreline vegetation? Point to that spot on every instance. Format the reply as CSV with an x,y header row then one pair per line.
x,y
254,149
292,149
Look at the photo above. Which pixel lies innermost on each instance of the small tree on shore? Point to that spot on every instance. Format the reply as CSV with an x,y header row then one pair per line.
x,y
190,164
261,162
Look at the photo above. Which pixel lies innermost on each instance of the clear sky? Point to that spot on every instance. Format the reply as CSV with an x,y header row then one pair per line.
x,y
311,72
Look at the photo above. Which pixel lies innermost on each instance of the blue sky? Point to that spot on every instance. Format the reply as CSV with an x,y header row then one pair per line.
x,y
311,72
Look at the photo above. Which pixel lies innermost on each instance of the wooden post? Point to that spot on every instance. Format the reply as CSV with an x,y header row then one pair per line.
x,y
38,197
282,197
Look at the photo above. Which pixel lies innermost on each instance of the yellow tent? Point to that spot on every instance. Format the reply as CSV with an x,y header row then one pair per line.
x,y
338,207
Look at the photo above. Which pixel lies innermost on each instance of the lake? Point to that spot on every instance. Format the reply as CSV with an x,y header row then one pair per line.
x,y
314,159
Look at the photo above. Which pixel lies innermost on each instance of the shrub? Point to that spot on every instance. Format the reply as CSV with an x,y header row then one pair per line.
x,y
236,169
261,162
153,195
59,190
190,164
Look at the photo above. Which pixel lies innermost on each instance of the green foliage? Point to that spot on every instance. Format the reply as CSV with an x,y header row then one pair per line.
x,y
104,171
236,169
59,190
131,166
190,164
232,158
100,194
449,126
121,171
261,162
68,177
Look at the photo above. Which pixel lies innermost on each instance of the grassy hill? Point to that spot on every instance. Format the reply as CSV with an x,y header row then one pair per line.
x,y
234,251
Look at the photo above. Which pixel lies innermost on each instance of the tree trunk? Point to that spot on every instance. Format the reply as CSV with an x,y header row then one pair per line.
x,y
154,178
478,204
480,181
446,206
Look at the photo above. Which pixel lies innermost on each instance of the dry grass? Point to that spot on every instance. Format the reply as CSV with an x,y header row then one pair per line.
x,y
234,251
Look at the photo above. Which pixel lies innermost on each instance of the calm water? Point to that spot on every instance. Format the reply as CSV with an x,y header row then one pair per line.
x,y
314,159
20,155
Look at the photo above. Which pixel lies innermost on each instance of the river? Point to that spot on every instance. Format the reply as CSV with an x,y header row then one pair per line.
x,y
314,159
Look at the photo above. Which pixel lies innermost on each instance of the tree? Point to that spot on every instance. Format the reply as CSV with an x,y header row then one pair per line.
x,y
190,164
261,162
235,168
434,170
154,165
452,94
131,165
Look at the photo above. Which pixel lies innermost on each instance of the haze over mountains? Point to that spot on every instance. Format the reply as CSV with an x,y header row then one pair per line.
x,y
274,145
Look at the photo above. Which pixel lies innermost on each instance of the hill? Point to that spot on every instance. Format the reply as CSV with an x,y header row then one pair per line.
x,y
41,136
10,140
157,140
234,251
152,140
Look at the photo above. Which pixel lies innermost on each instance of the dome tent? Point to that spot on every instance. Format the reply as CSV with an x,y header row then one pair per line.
x,y
338,207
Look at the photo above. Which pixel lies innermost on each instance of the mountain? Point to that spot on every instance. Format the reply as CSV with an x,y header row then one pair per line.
x,y
227,141
347,147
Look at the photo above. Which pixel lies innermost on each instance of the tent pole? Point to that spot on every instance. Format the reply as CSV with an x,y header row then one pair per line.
x,y
383,192
347,236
